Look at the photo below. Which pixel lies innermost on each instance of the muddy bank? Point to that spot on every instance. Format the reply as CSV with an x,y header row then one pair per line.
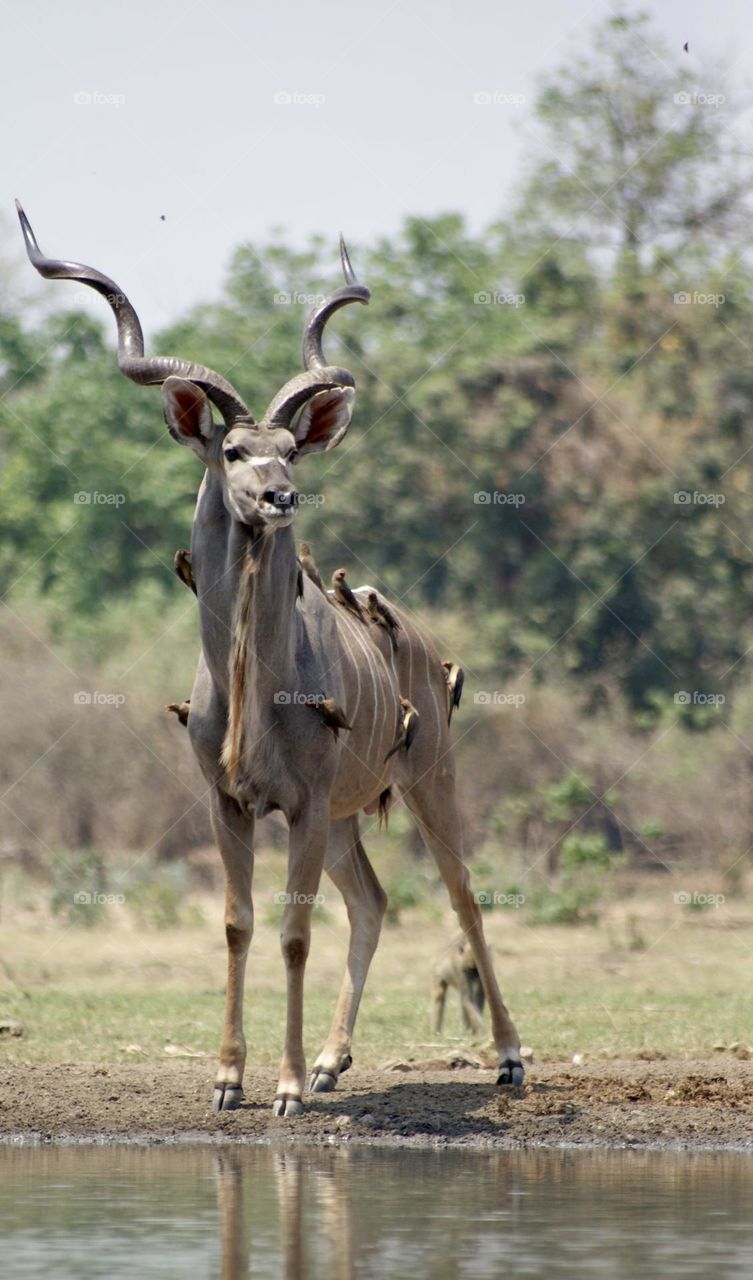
x,y
703,1103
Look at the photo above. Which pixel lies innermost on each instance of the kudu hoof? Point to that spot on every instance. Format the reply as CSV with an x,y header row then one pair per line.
x,y
324,1081
227,1097
511,1072
287,1104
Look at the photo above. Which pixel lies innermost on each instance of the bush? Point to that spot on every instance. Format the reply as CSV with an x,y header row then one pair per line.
x,y
79,887
579,850
406,890
157,897
572,904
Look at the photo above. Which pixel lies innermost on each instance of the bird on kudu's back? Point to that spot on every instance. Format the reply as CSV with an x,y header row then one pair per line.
x,y
344,595
383,616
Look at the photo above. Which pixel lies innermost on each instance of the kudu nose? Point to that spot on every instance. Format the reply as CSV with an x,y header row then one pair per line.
x,y
285,499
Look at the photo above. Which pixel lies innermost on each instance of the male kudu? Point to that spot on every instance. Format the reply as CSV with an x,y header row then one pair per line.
x,y
272,641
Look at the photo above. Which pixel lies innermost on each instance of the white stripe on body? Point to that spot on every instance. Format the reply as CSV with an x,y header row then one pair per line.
x,y
429,681
368,651
346,646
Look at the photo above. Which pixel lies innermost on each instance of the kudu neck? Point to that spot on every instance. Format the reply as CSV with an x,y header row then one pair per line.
x,y
265,610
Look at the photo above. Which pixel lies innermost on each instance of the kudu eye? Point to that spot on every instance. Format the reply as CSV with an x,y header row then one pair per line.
x,y
292,456
231,454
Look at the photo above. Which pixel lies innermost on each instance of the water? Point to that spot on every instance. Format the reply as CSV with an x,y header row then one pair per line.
x,y
295,1212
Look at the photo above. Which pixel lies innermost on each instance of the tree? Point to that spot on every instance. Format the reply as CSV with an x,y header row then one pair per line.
x,y
636,153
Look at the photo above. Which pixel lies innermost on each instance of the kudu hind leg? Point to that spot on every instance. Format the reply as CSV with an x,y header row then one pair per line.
x,y
351,872
234,832
432,802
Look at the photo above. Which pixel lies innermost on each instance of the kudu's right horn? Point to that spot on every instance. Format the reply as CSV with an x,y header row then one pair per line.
x,y
147,370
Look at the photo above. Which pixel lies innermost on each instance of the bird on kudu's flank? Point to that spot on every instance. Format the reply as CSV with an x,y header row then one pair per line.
x,y
308,564
383,616
455,677
344,595
408,729
182,566
180,709
332,715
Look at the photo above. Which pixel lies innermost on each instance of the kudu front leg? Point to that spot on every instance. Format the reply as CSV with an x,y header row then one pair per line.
x,y
234,833
348,866
308,845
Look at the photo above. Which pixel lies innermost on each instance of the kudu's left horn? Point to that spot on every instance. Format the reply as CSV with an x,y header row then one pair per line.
x,y
147,370
352,291
319,376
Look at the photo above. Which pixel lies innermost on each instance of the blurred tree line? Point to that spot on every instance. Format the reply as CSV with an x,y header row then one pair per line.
x,y
553,440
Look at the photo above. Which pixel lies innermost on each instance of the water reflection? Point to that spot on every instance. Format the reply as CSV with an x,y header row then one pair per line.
x,y
301,1212
312,1191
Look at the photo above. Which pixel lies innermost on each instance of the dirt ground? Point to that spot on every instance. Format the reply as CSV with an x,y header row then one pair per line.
x,y
666,1103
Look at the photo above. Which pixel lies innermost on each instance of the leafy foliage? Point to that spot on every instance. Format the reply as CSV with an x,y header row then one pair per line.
x,y
580,412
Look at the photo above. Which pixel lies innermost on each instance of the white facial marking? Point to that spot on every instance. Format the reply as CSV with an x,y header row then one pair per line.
x,y
277,513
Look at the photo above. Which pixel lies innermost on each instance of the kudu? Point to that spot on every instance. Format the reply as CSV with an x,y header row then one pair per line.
x,y
272,641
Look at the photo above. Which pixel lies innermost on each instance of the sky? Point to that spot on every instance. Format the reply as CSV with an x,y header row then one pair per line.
x,y
149,139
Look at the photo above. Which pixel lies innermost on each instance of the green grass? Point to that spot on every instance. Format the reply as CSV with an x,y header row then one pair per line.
x,y
87,994
67,1027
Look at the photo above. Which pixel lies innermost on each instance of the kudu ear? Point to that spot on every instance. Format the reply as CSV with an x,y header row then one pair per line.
x,y
188,414
324,419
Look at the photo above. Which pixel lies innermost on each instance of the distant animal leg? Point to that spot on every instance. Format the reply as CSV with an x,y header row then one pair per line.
x,y
438,999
